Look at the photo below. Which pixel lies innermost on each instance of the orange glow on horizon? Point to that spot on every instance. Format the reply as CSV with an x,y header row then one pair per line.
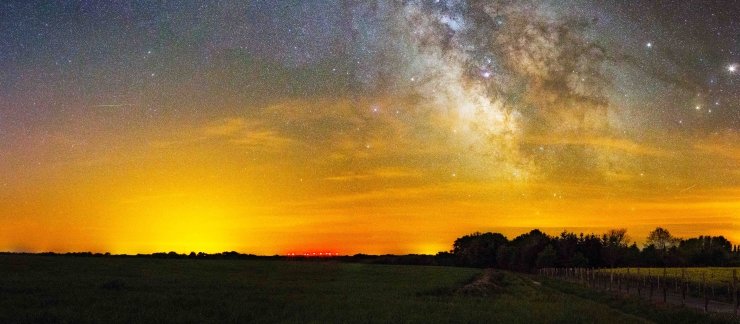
x,y
193,188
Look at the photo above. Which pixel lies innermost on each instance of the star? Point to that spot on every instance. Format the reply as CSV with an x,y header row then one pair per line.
x,y
732,68
649,45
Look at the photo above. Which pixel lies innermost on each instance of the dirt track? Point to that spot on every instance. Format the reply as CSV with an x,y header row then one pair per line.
x,y
483,286
691,302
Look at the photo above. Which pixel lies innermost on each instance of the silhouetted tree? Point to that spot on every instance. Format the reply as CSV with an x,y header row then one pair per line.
x,y
527,247
662,239
614,244
567,245
506,257
546,258
580,261
591,248
536,249
650,256
632,255
478,250
705,251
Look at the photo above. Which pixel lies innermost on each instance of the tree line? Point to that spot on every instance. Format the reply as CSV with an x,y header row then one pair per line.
x,y
612,249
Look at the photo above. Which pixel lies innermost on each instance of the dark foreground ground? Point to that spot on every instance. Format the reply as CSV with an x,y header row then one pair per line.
x,y
42,289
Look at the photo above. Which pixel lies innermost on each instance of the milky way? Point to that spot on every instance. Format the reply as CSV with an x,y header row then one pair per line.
x,y
365,126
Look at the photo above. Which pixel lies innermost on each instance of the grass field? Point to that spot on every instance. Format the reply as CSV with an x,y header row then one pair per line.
x,y
718,275
40,289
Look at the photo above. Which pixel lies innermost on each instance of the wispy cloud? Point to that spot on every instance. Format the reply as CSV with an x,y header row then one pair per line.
x,y
381,173
237,131
264,139
721,144
226,127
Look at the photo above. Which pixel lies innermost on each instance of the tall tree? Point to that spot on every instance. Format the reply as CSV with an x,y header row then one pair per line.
x,y
662,239
478,250
614,245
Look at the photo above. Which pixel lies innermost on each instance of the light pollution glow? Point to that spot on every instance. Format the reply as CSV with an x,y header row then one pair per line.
x,y
430,122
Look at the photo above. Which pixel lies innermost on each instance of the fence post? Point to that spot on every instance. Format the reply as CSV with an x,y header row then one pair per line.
x,y
683,286
665,285
675,281
611,278
706,296
628,278
593,277
640,283
734,290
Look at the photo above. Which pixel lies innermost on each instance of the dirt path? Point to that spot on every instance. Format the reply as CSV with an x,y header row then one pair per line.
x,y
676,299
691,302
482,287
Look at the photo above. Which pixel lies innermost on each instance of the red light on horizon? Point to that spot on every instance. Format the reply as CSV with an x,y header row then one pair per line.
x,y
308,254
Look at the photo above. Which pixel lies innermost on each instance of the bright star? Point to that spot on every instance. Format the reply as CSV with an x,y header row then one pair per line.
x,y
649,45
732,68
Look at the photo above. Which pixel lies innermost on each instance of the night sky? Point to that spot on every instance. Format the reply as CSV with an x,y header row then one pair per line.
x,y
271,127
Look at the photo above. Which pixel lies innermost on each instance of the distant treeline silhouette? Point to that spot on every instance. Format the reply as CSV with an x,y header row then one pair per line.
x,y
612,249
524,253
161,255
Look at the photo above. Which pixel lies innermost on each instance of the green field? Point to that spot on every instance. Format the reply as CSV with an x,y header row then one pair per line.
x,y
696,275
43,289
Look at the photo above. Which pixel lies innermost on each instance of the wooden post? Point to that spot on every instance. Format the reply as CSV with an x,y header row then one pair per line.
x,y
665,285
640,283
593,278
602,279
683,287
590,275
706,296
628,281
675,281
711,282
688,287
734,290
611,278
605,278
658,287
